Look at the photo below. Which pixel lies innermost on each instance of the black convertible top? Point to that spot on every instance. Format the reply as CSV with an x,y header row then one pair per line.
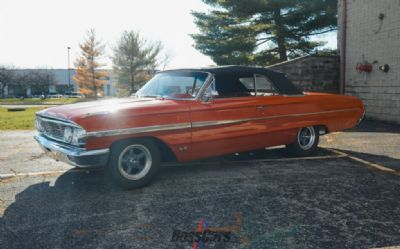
x,y
283,84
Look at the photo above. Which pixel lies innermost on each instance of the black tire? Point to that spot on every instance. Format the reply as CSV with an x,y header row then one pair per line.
x,y
120,157
300,148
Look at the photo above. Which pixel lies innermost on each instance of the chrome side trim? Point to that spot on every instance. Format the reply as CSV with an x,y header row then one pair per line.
x,y
223,122
168,127
138,130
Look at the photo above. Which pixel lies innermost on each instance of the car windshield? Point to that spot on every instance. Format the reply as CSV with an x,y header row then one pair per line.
x,y
184,85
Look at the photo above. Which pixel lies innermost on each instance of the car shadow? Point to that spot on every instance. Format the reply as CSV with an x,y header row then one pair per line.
x,y
280,205
370,125
386,161
272,153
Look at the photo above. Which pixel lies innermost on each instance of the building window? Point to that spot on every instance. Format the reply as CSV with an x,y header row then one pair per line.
x,y
108,90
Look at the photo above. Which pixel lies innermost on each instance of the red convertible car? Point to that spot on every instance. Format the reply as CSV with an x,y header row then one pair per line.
x,y
189,114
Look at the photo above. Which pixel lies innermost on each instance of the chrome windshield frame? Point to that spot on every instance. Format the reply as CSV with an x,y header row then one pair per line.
x,y
206,84
199,93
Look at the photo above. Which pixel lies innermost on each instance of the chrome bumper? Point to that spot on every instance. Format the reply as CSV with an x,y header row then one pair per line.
x,y
79,157
361,118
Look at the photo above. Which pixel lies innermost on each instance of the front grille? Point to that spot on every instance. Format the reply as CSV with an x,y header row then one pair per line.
x,y
51,128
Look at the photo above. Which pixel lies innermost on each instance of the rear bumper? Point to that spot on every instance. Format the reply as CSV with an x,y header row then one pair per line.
x,y
79,157
361,118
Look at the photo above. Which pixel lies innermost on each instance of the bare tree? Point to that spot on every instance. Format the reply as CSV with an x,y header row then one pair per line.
x,y
7,77
164,60
38,80
20,80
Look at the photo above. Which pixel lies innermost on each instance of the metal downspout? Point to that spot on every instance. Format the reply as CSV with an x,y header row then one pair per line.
x,y
343,6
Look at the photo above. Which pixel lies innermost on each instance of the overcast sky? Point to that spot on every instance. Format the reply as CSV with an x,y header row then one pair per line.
x,y
37,33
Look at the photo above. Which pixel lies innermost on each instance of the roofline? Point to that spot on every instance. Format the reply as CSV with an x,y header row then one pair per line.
x,y
216,68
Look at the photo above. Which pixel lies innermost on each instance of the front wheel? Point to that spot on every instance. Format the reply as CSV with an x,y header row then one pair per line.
x,y
132,164
306,141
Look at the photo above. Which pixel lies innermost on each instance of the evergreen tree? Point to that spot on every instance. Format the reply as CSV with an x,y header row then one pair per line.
x,y
89,76
262,32
134,61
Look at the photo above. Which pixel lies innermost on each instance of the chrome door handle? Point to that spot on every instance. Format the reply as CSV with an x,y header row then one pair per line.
x,y
261,107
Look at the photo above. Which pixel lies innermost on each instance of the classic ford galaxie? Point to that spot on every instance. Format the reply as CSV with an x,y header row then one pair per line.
x,y
190,114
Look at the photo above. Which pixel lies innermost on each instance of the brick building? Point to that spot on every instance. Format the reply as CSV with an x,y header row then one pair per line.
x,y
315,73
369,36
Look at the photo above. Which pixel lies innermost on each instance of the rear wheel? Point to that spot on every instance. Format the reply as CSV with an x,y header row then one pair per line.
x,y
133,163
306,141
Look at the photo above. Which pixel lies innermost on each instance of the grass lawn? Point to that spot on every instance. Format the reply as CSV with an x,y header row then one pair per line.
x,y
20,120
37,101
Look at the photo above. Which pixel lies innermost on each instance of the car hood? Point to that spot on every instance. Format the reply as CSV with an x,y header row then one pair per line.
x,y
79,112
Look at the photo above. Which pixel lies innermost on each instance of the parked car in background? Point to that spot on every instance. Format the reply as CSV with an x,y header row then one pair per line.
x,y
191,114
54,96
73,95
20,96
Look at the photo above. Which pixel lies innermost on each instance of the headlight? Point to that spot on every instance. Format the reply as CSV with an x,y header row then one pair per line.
x,y
38,125
78,136
68,134
74,136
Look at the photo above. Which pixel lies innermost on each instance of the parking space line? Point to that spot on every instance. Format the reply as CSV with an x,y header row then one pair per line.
x,y
44,173
387,247
88,169
337,154
370,164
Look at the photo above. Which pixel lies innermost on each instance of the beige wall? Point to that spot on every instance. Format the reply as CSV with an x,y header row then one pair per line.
x,y
375,41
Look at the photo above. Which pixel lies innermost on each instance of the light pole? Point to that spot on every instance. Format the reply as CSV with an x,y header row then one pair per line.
x,y
69,72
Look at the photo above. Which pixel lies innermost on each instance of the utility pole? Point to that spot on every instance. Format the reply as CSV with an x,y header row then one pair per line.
x,y
69,73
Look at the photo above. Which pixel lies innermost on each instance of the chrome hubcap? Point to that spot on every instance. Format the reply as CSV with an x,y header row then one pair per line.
x,y
306,137
134,162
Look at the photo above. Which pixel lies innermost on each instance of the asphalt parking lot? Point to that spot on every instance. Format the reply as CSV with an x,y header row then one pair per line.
x,y
345,196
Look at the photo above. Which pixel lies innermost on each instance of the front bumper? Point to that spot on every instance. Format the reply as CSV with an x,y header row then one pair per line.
x,y
75,156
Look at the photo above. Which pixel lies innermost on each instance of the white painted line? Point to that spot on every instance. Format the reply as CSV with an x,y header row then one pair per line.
x,y
387,247
88,169
338,154
357,159
75,170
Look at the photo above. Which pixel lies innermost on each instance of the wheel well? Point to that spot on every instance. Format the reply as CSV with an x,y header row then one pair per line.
x,y
323,129
167,155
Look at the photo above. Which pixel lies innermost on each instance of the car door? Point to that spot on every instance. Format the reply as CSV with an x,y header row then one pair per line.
x,y
227,123
279,113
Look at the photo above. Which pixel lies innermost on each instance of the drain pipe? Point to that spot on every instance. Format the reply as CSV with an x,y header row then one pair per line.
x,y
343,21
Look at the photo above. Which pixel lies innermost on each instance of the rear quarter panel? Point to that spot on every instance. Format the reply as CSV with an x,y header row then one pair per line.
x,y
337,112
